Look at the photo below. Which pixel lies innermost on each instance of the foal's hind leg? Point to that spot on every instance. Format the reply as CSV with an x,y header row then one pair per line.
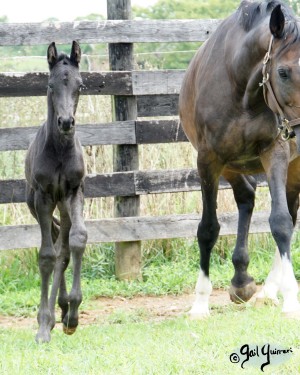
x,y
77,243
208,229
242,285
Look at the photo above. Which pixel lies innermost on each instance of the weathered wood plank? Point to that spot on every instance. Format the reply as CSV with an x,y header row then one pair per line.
x,y
125,184
158,105
108,31
134,228
157,82
35,84
159,131
120,132
128,255
107,185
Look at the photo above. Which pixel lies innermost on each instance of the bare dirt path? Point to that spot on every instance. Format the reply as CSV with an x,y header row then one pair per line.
x,y
148,307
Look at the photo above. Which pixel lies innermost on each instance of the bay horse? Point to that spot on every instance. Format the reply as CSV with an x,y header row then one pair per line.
x,y
239,106
55,172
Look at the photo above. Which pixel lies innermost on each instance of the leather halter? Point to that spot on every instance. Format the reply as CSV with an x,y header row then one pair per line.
x,y
286,126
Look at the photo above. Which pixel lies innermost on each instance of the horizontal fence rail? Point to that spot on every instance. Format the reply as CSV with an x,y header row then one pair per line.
x,y
108,31
115,133
135,228
158,82
125,184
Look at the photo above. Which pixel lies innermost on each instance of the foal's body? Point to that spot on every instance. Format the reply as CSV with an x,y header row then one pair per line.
x,y
55,174
235,131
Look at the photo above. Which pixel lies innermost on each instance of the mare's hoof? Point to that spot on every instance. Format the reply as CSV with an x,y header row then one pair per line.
x,y
198,313
266,301
292,315
241,295
69,330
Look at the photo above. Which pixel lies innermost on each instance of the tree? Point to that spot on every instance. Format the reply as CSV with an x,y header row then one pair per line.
x,y
177,55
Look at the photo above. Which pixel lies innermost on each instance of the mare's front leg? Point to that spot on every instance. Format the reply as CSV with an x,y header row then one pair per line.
x,y
271,286
208,230
275,162
242,284
77,243
44,207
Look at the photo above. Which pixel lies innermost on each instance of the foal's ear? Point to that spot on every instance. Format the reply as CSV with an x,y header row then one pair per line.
x,y
52,55
277,21
75,53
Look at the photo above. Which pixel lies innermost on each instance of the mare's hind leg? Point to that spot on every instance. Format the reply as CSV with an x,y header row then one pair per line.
x,y
242,284
209,170
77,243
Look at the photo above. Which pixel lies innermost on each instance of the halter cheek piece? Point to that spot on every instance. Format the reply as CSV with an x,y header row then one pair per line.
x,y
286,126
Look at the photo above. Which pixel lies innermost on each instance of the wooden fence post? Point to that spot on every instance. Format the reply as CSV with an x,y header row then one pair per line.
x,y
127,254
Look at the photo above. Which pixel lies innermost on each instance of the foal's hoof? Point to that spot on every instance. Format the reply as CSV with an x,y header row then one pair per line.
x,y
241,295
69,330
43,337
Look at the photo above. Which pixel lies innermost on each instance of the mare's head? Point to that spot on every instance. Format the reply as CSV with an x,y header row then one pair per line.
x,y
283,67
64,86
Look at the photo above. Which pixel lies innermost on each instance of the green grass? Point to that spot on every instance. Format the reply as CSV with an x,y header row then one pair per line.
x,y
169,267
130,342
175,346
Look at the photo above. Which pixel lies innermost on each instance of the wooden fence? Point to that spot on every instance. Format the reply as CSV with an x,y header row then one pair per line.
x,y
155,93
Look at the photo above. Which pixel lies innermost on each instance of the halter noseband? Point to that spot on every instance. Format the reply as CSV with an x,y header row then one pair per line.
x,y
286,126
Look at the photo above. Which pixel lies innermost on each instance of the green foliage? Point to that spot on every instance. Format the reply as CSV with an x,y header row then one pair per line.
x,y
185,9
177,55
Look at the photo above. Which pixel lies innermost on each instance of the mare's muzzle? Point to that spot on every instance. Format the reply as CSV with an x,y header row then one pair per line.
x,y
66,124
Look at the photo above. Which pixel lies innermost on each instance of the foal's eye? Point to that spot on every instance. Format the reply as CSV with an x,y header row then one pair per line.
x,y
50,86
81,87
284,73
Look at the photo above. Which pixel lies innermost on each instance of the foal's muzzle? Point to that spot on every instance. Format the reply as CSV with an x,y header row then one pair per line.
x,y
66,124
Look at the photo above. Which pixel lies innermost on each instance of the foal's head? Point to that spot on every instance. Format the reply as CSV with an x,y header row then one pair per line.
x,y
64,86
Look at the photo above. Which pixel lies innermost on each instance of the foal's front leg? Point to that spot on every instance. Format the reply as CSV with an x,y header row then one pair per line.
x,y
77,243
62,261
44,207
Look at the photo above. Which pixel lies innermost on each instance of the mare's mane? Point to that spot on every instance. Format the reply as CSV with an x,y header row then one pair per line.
x,y
251,13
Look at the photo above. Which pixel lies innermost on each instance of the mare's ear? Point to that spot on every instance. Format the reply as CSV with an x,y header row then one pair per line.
x,y
277,21
75,53
52,55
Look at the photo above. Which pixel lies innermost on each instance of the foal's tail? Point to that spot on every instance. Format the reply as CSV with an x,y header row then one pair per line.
x,y
55,229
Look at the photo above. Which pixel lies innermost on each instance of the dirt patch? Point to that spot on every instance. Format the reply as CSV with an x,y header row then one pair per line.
x,y
105,309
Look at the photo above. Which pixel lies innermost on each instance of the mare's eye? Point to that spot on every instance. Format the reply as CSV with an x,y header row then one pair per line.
x,y
284,73
81,87
50,86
